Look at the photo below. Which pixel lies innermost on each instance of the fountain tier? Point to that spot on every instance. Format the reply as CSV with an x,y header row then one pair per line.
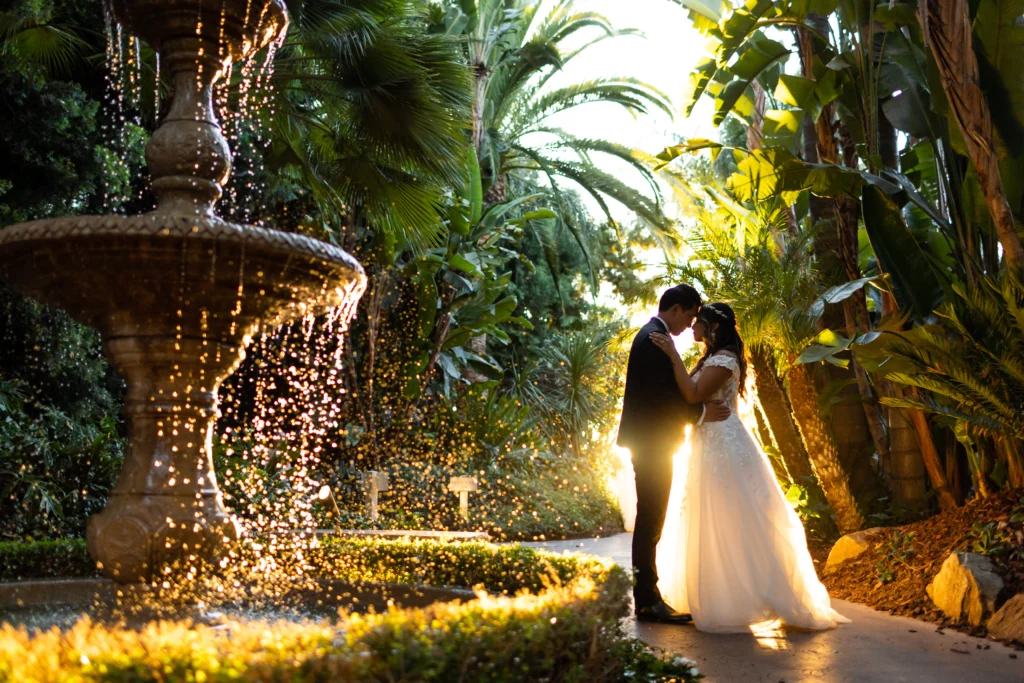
x,y
176,300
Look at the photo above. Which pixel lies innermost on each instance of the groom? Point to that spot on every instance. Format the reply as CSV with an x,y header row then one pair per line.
x,y
653,415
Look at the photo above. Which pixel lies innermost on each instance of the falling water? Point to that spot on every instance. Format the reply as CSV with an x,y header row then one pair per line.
x,y
113,127
156,89
133,69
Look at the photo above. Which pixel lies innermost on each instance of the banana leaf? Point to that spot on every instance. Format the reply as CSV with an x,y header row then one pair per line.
x,y
915,283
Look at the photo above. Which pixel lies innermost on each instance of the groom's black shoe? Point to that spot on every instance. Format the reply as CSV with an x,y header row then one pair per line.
x,y
662,614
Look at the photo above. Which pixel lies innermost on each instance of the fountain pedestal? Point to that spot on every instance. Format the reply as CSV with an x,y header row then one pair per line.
x,y
177,294
166,508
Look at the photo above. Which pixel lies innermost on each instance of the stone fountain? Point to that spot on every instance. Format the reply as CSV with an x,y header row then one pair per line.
x,y
177,293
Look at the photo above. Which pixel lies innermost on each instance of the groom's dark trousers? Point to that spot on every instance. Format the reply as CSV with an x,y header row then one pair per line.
x,y
654,413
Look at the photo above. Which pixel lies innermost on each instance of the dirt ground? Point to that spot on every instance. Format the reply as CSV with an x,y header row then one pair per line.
x,y
892,575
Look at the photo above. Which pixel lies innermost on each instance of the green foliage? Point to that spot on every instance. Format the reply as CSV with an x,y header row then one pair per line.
x,y
814,511
899,254
514,53
55,470
564,624
893,553
1001,540
502,569
990,539
369,115
63,558
970,365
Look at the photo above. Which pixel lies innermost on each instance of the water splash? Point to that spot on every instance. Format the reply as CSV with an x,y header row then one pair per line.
x,y
156,88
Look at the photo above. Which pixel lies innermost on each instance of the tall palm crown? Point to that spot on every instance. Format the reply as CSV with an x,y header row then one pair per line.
x,y
514,53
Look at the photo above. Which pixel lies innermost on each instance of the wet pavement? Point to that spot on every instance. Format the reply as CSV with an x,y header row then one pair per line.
x,y
875,648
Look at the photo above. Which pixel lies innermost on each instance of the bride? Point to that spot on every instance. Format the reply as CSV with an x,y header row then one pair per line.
x,y
741,556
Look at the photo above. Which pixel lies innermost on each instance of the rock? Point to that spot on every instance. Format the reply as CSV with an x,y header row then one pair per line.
x,y
850,546
1008,622
965,587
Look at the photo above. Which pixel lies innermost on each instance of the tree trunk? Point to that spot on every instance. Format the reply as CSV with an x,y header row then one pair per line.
x,y
822,449
907,473
769,447
756,128
947,27
480,78
380,280
932,463
855,307
779,416
925,439
1010,451
852,432
764,434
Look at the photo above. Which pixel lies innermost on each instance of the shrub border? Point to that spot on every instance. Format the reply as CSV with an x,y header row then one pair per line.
x,y
537,616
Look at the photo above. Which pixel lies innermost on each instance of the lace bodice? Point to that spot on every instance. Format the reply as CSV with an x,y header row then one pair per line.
x,y
730,390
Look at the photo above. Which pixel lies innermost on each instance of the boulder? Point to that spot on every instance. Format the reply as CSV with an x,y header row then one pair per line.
x,y
850,546
966,588
1008,622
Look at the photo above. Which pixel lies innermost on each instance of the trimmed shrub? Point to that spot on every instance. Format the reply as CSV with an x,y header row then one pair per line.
x,y
538,616
66,558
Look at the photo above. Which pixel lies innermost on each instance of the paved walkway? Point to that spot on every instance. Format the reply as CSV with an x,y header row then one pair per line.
x,y
876,647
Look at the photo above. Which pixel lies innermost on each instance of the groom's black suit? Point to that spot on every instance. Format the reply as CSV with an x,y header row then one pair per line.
x,y
653,414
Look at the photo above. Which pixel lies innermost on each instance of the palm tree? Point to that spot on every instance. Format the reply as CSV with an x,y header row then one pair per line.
x,y
514,53
369,111
571,387
970,367
34,34
949,31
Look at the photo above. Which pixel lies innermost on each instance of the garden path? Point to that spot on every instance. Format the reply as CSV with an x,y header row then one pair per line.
x,y
876,647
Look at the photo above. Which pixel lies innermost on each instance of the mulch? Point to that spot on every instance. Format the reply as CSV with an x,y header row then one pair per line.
x,y
895,582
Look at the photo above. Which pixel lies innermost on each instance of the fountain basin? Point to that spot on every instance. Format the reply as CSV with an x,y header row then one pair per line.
x,y
229,30
176,300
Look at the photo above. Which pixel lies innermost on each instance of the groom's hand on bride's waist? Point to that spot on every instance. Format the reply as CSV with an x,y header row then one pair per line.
x,y
716,411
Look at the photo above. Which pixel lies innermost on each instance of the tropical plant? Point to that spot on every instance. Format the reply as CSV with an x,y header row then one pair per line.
x,y
514,53
969,368
34,34
574,388
367,114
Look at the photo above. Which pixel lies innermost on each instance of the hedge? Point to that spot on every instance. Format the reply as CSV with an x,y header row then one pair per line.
x,y
66,558
538,617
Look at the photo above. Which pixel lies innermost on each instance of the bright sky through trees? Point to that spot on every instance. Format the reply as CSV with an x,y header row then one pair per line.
x,y
664,58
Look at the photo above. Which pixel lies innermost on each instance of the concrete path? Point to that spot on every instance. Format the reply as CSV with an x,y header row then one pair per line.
x,y
876,647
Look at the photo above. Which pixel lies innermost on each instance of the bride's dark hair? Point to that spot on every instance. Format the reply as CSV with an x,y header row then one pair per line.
x,y
725,338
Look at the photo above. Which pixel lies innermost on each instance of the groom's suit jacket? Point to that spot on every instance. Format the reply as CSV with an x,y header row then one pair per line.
x,y
653,409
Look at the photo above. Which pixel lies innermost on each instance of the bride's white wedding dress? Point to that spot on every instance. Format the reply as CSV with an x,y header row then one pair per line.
x,y
737,555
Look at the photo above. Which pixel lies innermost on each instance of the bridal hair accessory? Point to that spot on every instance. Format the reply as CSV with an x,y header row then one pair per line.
x,y
719,315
